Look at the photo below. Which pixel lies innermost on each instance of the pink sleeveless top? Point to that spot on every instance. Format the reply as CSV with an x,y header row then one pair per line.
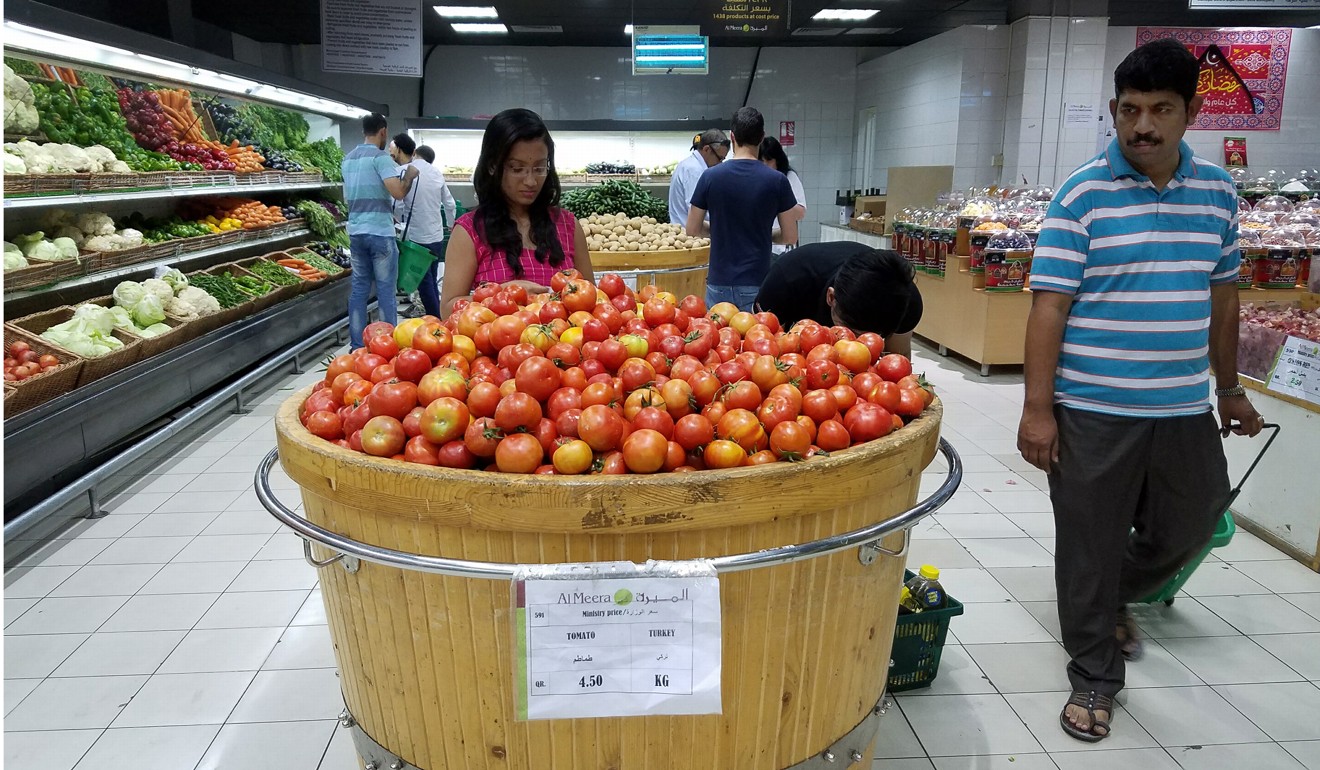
x,y
492,266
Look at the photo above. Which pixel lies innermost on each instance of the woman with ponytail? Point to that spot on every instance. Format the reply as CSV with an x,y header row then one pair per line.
x,y
517,234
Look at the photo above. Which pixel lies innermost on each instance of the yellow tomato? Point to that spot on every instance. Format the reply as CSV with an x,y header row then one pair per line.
x,y
580,317
572,336
464,346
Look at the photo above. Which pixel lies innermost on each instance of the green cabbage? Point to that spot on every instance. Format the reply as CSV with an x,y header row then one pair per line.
x,y
147,311
175,279
88,334
154,330
128,293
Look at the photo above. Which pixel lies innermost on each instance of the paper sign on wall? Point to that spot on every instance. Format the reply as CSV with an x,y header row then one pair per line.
x,y
1297,370
1078,115
372,37
617,639
787,132
1235,151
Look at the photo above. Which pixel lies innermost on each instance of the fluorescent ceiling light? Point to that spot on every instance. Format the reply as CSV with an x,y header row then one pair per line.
x,y
872,30
498,29
537,29
672,47
52,46
819,32
627,29
467,11
845,14
671,58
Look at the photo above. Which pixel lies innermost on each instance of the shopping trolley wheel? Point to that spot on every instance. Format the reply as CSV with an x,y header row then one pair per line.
x,y
1168,602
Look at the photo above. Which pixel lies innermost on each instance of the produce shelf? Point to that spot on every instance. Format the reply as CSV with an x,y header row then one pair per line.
x,y
95,198
66,437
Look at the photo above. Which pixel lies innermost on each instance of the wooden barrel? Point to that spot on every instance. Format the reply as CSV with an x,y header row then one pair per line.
x,y
692,262
427,661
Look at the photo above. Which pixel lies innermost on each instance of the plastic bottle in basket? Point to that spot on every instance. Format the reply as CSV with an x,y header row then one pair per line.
x,y
926,589
906,604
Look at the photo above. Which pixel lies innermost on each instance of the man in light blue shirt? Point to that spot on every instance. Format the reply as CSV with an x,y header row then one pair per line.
x,y
371,185
708,149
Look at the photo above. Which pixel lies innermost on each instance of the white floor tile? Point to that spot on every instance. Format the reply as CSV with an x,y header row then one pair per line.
x,y
222,548
282,575
978,525
172,525
958,674
1305,752
66,616
1247,547
283,696
1047,543
1034,524
142,550
310,647
48,749
1040,711
74,704
944,554
110,526
185,699
966,501
996,762
1031,667
1159,668
35,656
1286,712
1230,660
1221,579
107,580
1009,552
1282,577
234,464
1027,500
1187,617
949,725
221,649
137,747
341,755
286,745
174,612
198,502
1027,584
190,466
1166,714
194,577
1103,759
138,501
284,545
312,612
1300,651
219,482
16,690
256,609
116,654
902,764
233,522
1308,603
167,478
1260,614
992,623
1234,757
36,582
64,553
1047,615
15,608
973,585
895,739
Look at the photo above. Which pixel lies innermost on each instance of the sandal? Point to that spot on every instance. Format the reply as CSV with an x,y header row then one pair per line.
x,y
1129,644
1092,702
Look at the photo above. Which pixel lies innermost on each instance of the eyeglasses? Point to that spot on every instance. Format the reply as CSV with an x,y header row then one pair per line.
x,y
717,146
540,172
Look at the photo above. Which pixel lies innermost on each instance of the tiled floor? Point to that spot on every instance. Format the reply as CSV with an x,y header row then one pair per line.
x,y
184,630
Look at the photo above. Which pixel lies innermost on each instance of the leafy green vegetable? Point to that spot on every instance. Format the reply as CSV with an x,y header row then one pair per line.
x,y
613,197
23,67
265,269
275,127
324,155
319,221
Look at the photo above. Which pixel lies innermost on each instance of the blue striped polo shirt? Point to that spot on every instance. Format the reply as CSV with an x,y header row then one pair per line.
x,y
370,206
1139,263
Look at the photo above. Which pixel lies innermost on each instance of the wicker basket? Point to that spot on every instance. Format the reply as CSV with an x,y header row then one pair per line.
x,y
40,388
65,269
150,346
60,183
234,269
37,273
153,179
99,182
198,243
281,292
20,184
301,252
93,368
226,316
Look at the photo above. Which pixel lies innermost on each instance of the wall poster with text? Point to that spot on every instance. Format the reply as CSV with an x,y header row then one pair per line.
x,y
1242,74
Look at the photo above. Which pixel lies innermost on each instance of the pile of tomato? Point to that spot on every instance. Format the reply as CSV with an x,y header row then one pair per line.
x,y
22,362
605,380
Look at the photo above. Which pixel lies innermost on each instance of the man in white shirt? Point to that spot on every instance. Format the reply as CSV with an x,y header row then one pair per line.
x,y
709,148
432,211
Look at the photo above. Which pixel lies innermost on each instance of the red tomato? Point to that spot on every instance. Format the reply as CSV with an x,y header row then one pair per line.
x,y
692,431
517,410
821,374
654,419
742,427
789,441
321,401
485,290
383,345
853,354
552,310
742,395
547,434
444,420
505,331
564,355
610,464
645,451
595,330
573,456
567,423
412,424
433,339
441,383
910,402
789,342
867,421
419,450
357,392
518,453
723,454
612,354
888,395
874,343
455,360
678,398
601,427
575,377
561,401
845,396
577,294
893,367
705,386
636,373
768,372
483,399
411,365
538,378
456,454
820,405
326,425
375,328
338,365
640,399
383,436
657,311
365,363
813,334
393,399
482,436
561,279
832,436
693,306
612,285
382,373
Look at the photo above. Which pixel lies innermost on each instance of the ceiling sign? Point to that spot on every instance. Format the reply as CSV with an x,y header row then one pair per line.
x,y
372,37
1252,5
745,18
1242,74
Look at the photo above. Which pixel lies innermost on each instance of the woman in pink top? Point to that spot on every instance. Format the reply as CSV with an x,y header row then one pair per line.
x,y
518,234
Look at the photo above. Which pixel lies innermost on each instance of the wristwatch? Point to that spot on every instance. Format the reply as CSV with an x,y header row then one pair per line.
x,y
1236,390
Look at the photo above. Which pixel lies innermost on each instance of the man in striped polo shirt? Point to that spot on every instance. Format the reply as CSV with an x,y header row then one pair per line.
x,y
1135,301
371,185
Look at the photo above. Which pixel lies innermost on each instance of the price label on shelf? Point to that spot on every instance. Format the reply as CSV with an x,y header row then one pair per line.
x,y
1297,370
617,639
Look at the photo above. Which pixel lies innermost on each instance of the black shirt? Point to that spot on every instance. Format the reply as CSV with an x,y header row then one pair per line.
x,y
795,287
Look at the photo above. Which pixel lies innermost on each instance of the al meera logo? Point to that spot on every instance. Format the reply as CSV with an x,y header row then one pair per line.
x,y
623,597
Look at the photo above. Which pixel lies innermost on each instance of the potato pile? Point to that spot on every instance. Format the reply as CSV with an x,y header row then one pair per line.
x,y
618,232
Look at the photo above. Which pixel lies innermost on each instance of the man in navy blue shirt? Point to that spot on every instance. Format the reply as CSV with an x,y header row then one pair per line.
x,y
744,197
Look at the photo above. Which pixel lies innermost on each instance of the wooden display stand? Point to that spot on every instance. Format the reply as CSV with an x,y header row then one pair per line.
x,y
427,661
682,272
990,328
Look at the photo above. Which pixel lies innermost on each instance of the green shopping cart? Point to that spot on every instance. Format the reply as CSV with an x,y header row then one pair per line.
x,y
1222,536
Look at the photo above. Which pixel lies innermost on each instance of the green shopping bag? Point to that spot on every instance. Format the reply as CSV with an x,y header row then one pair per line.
x,y
414,258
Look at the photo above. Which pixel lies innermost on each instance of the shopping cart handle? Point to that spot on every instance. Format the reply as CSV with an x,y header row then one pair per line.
x,y
1274,433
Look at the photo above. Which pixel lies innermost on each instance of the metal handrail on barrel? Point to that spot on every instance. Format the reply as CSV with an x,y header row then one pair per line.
x,y
867,537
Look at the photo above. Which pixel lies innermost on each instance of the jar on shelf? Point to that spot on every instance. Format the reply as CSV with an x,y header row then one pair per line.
x,y
943,234
1259,188
901,220
1008,261
1276,205
982,229
1241,176
1244,206
1260,221
971,211
1280,268
1312,204
1251,249
1041,194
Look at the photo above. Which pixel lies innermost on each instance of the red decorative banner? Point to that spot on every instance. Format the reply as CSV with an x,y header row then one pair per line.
x,y
787,132
1242,74
1235,151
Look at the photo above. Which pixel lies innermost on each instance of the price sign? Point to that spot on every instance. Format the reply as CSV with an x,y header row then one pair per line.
x,y
1297,370
617,639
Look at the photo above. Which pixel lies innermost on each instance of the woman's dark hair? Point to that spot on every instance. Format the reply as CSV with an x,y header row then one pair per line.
x,y
373,123
494,223
771,150
876,291
405,144
1160,65
748,126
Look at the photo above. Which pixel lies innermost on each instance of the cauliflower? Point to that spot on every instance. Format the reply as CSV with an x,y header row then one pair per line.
x,y
192,303
71,233
14,164
163,291
132,238
20,105
101,156
69,159
104,243
54,219
96,223
117,167
36,156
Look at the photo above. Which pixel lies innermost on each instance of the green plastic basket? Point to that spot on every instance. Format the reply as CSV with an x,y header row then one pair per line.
x,y
1223,535
918,644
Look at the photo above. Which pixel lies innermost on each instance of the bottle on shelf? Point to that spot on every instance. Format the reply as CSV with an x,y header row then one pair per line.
x,y
925,589
845,204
